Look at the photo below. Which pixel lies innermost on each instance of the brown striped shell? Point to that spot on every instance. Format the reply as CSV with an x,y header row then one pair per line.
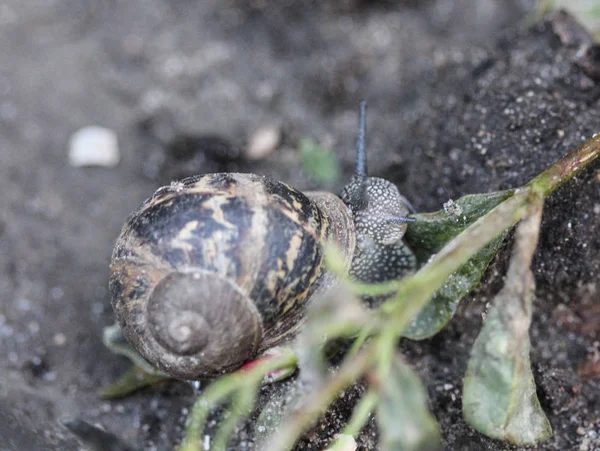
x,y
216,268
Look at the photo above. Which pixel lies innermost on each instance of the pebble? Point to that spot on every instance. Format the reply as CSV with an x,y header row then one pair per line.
x,y
59,339
263,141
94,146
345,442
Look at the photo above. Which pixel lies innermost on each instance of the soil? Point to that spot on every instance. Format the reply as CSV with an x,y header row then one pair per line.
x,y
465,96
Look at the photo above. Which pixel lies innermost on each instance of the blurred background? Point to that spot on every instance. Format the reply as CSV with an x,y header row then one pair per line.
x,y
102,102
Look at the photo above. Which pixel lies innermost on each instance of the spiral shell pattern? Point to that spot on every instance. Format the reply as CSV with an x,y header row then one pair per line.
x,y
214,269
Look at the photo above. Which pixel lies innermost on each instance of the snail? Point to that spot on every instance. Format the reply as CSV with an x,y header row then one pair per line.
x,y
214,269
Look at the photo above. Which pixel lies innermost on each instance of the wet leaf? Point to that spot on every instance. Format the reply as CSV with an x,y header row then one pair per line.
x,y
428,235
499,398
320,163
134,379
404,420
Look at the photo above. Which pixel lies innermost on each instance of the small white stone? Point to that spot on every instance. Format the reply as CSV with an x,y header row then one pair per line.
x,y
59,339
263,141
94,146
345,442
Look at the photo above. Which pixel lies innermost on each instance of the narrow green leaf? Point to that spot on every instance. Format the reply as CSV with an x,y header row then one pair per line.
x,y
320,163
134,379
114,340
139,376
428,235
442,307
404,420
499,398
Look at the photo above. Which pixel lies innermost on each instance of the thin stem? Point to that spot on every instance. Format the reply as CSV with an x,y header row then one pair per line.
x,y
567,167
212,397
361,414
386,344
219,390
360,340
344,329
318,401
239,409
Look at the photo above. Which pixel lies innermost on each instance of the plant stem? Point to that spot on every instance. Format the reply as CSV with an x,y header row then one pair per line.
x,y
318,401
567,167
218,391
361,414
239,409
415,291
360,340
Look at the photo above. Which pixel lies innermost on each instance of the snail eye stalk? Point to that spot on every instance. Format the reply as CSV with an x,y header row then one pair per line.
x,y
361,157
401,220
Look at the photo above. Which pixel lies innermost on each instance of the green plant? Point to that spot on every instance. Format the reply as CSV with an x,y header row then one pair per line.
x,y
455,246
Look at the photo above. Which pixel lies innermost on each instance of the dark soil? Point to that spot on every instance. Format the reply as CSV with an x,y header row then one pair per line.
x,y
464,97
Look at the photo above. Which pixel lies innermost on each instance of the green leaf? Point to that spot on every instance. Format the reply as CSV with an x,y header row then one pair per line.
x,y
432,231
320,163
499,397
428,235
404,420
442,307
114,340
139,376
134,379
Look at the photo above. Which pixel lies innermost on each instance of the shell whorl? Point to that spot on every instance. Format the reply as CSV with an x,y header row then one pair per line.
x,y
216,268
195,317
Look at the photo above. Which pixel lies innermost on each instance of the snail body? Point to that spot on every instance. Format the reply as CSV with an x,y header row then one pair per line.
x,y
214,269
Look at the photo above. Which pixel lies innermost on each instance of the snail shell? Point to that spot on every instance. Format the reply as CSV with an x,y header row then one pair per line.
x,y
217,268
